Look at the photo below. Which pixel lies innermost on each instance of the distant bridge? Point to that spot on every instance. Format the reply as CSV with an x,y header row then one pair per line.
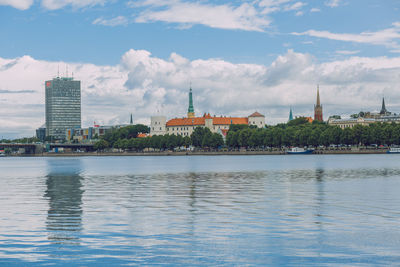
x,y
29,148
74,146
37,148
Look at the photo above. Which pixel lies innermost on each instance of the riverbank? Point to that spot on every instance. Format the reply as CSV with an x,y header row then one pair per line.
x,y
201,153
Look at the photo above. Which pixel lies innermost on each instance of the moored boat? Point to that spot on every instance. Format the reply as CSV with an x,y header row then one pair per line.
x,y
299,150
394,150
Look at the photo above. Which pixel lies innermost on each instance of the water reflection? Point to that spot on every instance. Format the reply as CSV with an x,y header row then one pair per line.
x,y
64,193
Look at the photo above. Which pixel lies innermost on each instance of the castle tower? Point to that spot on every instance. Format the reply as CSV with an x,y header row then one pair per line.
x,y
318,108
190,113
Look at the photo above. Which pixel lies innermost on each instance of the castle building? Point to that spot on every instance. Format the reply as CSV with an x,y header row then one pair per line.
x,y
318,109
185,126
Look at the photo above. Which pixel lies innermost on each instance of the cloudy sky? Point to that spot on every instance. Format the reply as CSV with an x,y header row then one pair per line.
x,y
140,57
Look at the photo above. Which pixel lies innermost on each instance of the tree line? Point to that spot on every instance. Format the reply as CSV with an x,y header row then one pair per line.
x,y
298,132
125,139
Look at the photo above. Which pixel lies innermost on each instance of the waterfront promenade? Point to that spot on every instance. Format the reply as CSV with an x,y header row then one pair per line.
x,y
205,153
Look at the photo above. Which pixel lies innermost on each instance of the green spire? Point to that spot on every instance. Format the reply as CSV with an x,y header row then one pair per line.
x,y
190,109
290,115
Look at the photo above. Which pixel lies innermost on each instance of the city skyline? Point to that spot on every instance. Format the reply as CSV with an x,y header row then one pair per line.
x,y
144,62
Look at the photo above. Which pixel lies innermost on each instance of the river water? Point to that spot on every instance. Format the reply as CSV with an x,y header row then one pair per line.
x,y
318,210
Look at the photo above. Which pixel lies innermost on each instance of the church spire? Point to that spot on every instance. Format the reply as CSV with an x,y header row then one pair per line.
x,y
131,122
290,114
383,109
318,108
190,109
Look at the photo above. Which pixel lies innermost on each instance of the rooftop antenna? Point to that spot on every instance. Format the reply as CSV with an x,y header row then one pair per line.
x,y
58,71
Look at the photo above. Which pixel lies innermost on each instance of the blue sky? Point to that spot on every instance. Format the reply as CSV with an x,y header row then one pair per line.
x,y
139,57
68,33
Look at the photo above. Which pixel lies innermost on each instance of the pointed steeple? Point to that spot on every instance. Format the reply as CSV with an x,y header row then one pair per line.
x,y
318,101
383,109
190,108
290,114
131,122
318,108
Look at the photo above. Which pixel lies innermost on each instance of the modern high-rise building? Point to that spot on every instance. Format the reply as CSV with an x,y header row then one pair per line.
x,y
63,106
318,109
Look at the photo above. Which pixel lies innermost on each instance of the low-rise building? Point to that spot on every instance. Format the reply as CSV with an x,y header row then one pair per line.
x,y
87,134
366,118
351,122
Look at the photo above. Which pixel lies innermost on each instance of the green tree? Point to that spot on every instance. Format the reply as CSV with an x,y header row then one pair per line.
x,y
216,140
101,145
298,121
232,139
187,141
172,141
237,127
347,136
314,138
244,137
198,135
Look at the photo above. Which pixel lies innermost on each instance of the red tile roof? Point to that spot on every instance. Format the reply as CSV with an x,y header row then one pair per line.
x,y
229,120
186,121
256,114
142,135
201,121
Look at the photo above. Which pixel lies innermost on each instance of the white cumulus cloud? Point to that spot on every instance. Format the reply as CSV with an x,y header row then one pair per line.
x,y
120,20
243,17
57,4
144,85
389,37
19,4
333,3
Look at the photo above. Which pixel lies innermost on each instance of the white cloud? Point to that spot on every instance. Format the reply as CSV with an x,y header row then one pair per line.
x,y
388,37
295,6
142,84
347,52
120,20
57,4
19,4
299,13
243,17
270,6
332,3
51,4
314,9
